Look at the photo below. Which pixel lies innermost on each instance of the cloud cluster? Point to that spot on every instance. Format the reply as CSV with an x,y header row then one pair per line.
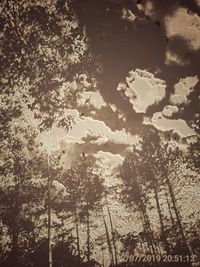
x,y
92,98
182,89
96,128
184,24
108,159
142,89
169,110
161,123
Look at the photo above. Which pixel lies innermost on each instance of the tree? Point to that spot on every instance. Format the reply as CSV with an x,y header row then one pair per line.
x,y
147,173
133,194
20,155
43,57
84,187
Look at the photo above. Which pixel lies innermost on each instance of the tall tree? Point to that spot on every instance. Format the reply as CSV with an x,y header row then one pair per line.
x,y
85,188
134,194
20,155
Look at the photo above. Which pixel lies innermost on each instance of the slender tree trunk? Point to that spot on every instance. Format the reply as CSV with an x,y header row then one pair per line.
x,y
49,220
14,232
166,243
170,211
49,228
88,234
146,234
103,264
113,234
77,233
13,257
177,214
63,243
147,226
108,241
147,229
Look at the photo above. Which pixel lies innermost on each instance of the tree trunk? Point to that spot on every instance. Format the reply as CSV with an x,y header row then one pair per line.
x,y
146,234
49,225
49,218
103,264
147,229
170,212
77,233
14,231
177,215
108,241
166,243
113,234
88,234
13,257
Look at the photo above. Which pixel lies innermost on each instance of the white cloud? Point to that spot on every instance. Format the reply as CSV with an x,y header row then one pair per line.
x,y
91,127
185,25
108,158
51,139
110,163
92,98
183,89
143,89
169,110
178,126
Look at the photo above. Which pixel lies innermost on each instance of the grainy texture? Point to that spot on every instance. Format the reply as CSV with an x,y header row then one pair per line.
x,y
99,133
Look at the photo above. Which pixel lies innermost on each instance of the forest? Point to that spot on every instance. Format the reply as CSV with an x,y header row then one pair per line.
x,y
61,208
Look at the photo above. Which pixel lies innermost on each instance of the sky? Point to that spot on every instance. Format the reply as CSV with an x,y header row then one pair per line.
x,y
154,90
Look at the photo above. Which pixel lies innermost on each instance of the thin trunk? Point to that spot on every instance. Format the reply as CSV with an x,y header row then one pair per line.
x,y
146,234
108,241
88,234
146,224
49,226
103,264
113,234
15,230
148,227
49,220
63,242
13,257
77,233
166,243
177,214
147,230
170,212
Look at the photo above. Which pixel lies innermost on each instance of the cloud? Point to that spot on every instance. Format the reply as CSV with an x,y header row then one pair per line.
x,y
90,127
113,117
169,110
184,24
110,163
92,98
91,136
178,126
172,57
142,89
182,90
